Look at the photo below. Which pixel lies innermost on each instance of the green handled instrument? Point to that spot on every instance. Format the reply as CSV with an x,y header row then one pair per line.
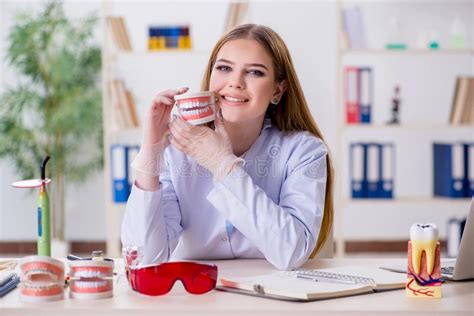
x,y
43,213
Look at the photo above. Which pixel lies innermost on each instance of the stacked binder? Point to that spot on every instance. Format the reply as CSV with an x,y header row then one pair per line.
x,y
372,170
453,169
169,37
358,94
122,175
454,235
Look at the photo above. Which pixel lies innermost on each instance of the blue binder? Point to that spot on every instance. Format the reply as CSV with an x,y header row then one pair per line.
x,y
373,165
119,173
387,168
365,93
469,169
448,170
358,170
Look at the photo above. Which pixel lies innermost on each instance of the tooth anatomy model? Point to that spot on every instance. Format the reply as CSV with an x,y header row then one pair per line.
x,y
424,258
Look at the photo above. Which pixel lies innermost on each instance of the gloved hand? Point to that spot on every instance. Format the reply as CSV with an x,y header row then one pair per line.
x,y
210,148
154,141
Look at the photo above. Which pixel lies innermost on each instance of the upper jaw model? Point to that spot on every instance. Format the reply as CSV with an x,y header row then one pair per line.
x,y
424,237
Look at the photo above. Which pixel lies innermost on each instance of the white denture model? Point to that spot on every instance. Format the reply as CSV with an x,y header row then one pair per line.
x,y
91,279
42,279
196,108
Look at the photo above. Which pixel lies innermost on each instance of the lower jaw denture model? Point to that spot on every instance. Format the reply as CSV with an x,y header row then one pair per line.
x,y
196,108
42,279
424,259
91,279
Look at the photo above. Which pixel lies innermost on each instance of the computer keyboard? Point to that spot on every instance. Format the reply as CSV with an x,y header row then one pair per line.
x,y
447,270
332,277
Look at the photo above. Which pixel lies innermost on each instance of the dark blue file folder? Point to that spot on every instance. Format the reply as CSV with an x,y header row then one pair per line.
x,y
365,93
358,158
373,165
448,170
372,170
387,166
469,169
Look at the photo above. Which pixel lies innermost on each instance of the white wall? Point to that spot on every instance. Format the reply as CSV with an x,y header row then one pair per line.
x,y
85,218
85,213
313,51
309,29
427,86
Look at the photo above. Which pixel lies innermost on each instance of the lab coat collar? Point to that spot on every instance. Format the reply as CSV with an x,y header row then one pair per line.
x,y
267,123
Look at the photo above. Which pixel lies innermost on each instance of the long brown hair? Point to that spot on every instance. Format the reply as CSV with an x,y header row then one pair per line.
x,y
292,112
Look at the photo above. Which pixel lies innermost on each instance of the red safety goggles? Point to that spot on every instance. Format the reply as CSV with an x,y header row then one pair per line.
x,y
159,279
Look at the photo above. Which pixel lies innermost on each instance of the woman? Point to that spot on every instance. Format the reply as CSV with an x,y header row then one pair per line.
x,y
259,185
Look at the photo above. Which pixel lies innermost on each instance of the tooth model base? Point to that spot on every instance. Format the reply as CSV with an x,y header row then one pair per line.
x,y
203,120
423,284
91,296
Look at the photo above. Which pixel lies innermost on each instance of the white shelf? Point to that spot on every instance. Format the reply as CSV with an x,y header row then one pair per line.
x,y
422,52
175,53
409,200
126,136
392,221
413,127
181,67
424,114
144,74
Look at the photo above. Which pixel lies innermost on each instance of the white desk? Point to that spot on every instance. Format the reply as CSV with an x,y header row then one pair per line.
x,y
458,299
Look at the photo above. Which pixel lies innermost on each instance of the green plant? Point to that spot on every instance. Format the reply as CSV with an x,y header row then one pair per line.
x,y
55,109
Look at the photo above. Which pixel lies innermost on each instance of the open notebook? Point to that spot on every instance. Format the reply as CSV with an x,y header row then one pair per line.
x,y
309,285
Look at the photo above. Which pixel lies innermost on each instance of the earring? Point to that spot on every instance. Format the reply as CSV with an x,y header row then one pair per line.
x,y
275,101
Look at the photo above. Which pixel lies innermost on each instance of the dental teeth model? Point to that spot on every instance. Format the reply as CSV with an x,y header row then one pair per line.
x,y
196,108
42,279
91,279
424,255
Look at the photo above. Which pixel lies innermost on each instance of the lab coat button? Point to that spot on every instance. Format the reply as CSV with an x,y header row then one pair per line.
x,y
224,239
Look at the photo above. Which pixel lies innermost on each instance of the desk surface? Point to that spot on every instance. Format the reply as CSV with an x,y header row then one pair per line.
x,y
458,298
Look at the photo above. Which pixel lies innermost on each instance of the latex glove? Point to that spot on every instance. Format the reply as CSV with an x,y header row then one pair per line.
x,y
150,159
210,148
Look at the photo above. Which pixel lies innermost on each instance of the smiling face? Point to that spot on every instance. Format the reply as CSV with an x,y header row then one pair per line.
x,y
243,75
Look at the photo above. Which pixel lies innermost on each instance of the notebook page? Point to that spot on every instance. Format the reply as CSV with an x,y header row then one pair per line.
x,y
284,284
383,279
